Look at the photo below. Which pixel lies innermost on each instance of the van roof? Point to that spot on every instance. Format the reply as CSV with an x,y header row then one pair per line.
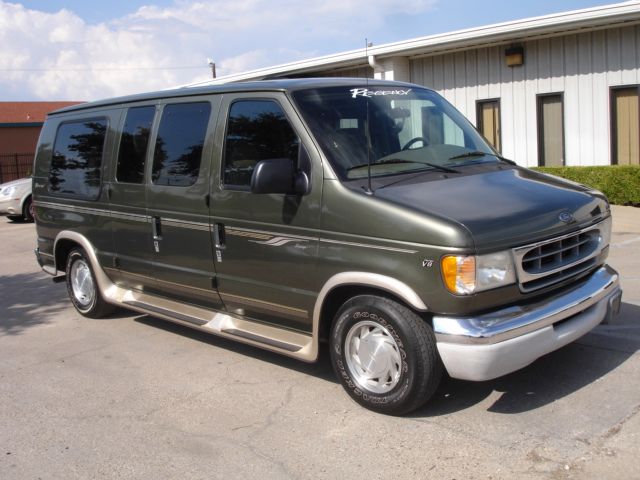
x,y
276,85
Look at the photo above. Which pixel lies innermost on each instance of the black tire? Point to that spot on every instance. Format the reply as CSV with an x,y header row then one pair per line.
x,y
415,364
15,218
82,286
27,211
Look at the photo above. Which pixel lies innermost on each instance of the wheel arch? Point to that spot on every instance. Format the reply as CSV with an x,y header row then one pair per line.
x,y
343,286
65,242
61,250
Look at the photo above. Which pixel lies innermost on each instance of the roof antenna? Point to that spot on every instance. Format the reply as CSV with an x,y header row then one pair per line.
x,y
368,190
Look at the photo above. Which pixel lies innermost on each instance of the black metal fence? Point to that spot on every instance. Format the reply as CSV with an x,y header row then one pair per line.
x,y
15,165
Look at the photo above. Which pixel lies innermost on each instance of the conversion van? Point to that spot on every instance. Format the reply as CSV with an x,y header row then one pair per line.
x,y
367,214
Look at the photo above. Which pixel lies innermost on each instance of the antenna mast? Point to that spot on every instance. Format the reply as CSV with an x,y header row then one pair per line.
x,y
368,190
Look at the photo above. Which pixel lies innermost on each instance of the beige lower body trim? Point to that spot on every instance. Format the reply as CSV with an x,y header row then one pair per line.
x,y
293,344
286,342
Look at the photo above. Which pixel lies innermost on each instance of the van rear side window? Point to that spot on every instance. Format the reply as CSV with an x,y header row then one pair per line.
x,y
77,158
133,144
176,159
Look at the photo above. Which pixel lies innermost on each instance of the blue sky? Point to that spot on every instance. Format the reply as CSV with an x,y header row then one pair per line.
x,y
83,50
445,16
92,11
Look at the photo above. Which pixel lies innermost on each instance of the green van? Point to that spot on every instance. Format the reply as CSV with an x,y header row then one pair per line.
x,y
368,214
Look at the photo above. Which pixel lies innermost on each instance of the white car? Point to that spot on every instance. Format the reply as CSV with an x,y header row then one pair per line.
x,y
15,200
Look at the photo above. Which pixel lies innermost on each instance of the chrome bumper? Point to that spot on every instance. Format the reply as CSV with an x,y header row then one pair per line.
x,y
494,344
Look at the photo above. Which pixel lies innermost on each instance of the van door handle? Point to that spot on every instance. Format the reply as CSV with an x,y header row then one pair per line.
x,y
157,228
219,236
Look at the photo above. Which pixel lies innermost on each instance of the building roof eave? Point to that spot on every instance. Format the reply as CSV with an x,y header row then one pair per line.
x,y
549,25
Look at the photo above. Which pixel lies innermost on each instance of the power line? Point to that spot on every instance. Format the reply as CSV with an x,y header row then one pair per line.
x,y
54,69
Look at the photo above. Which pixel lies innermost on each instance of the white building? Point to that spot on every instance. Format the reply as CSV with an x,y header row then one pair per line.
x,y
561,89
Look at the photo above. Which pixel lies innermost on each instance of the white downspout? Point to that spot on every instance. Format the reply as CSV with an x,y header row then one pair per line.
x,y
377,68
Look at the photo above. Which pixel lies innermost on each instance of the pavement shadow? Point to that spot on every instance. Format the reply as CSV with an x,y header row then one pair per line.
x,y
551,377
29,299
321,369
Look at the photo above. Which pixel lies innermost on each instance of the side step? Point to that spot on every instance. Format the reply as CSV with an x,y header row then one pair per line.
x,y
258,338
294,344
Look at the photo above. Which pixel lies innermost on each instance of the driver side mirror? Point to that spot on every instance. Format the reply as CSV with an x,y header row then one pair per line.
x,y
277,175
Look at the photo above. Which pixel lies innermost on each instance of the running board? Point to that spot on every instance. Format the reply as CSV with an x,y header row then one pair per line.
x,y
287,342
267,341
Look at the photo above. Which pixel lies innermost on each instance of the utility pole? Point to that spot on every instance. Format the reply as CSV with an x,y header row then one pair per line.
x,y
212,65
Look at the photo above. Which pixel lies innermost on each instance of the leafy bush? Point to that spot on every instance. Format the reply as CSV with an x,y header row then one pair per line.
x,y
620,183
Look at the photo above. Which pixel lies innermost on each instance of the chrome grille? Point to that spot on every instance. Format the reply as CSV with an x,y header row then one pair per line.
x,y
562,252
545,263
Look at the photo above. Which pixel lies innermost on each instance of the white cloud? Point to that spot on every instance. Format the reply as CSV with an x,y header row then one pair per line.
x,y
59,56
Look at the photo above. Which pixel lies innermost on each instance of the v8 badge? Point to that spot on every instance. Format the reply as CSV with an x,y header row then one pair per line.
x,y
427,263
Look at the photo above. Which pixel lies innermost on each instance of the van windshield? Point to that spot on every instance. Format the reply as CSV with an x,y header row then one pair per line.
x,y
398,129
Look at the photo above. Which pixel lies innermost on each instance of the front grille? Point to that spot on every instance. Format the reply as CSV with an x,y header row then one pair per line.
x,y
556,254
557,259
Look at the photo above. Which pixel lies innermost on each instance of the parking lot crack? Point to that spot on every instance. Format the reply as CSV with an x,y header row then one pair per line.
x,y
614,430
598,447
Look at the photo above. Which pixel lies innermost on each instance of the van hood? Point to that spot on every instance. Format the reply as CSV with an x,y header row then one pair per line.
x,y
503,208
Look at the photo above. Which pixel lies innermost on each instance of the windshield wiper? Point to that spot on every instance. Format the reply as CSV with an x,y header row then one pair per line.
x,y
433,166
383,162
478,153
475,153
442,168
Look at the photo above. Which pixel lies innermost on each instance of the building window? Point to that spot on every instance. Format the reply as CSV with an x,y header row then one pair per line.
x,y
488,121
77,159
178,152
133,144
256,130
625,125
550,130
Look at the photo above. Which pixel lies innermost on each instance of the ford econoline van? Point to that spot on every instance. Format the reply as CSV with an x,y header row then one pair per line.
x,y
367,214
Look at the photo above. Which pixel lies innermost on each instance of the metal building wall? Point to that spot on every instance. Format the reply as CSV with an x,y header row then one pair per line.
x,y
357,72
582,67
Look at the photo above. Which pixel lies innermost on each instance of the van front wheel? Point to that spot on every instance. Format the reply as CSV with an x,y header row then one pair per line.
x,y
384,355
82,287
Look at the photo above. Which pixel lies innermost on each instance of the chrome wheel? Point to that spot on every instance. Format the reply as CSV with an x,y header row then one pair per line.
x,y
373,357
82,283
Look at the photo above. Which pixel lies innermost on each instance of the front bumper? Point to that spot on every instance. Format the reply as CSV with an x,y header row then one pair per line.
x,y
494,344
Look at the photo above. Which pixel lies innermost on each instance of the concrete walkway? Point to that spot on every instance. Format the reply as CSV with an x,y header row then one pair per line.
x,y
625,250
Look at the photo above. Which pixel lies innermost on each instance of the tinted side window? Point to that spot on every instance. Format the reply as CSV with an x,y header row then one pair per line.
x,y
256,130
133,144
77,158
178,151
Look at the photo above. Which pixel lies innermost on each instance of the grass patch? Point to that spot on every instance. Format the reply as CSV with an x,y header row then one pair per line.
x,y
620,183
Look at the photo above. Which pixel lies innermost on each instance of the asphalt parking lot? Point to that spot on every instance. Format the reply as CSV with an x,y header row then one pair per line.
x,y
133,396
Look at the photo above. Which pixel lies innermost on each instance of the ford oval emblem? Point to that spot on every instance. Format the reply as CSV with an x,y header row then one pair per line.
x,y
565,217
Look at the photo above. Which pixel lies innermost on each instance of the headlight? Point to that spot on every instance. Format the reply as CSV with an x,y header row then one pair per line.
x,y
466,274
7,191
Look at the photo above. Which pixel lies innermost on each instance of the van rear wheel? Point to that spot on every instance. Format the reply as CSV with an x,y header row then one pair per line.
x,y
83,288
384,355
